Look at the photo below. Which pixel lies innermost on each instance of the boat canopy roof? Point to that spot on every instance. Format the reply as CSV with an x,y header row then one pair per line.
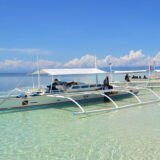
x,y
125,72
82,71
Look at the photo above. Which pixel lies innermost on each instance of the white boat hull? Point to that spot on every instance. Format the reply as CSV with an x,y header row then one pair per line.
x,y
45,101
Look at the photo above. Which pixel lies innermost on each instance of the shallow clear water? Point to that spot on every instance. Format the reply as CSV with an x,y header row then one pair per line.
x,y
54,133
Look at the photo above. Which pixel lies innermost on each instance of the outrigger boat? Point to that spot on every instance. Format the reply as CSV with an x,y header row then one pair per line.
x,y
63,93
143,78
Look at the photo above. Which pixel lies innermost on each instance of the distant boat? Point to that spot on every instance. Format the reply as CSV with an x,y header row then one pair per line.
x,y
136,79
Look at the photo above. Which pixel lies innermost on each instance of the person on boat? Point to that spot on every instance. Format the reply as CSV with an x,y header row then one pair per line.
x,y
144,77
106,83
127,78
54,84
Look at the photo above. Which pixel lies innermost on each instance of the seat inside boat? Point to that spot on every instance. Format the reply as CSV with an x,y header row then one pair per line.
x,y
72,87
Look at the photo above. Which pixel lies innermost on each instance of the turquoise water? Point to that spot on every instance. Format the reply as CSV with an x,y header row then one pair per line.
x,y
56,134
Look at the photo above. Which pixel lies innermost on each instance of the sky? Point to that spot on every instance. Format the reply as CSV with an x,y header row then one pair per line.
x,y
70,33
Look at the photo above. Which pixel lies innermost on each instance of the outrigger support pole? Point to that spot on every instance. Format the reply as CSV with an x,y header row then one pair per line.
x,y
150,91
132,94
116,106
107,97
109,109
83,111
122,107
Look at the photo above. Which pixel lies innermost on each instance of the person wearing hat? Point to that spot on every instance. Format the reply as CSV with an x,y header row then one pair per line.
x,y
106,83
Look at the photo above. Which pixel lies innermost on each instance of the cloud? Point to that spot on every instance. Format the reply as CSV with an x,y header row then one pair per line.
x,y
84,61
26,50
132,59
49,64
21,65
